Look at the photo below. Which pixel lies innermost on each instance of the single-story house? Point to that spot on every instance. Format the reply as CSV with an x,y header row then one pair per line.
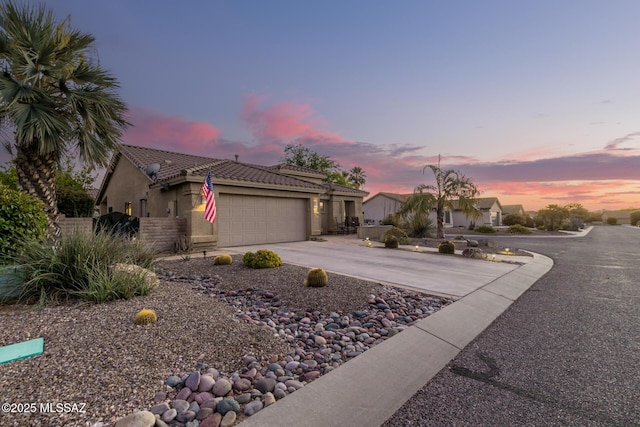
x,y
489,207
382,204
377,207
255,204
513,210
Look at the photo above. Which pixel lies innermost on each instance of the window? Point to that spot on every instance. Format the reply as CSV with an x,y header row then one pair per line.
x,y
447,217
127,208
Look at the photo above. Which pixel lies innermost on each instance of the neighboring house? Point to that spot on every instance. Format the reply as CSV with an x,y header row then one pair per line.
x,y
513,210
255,204
623,217
377,207
490,208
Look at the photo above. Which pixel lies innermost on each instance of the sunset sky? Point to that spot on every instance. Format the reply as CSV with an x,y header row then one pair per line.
x,y
538,102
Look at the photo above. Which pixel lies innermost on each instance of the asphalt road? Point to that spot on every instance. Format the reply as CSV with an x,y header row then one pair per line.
x,y
567,353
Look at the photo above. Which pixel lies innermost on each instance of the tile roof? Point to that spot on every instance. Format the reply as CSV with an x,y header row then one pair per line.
x,y
512,209
172,164
331,186
285,167
394,196
481,202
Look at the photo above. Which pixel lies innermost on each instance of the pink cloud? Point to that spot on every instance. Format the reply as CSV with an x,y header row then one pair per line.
x,y
152,129
284,121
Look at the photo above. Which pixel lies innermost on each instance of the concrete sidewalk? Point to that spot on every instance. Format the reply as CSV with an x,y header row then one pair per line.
x,y
368,389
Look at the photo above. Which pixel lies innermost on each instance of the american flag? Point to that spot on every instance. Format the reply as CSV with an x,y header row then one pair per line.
x,y
210,200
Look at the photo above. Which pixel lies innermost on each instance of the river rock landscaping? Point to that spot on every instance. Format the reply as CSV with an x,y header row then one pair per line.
x,y
229,341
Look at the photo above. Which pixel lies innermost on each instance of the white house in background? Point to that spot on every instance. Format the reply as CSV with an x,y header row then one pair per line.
x,y
380,205
490,208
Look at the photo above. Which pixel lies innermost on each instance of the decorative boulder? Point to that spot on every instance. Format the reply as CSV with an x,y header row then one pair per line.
x,y
475,253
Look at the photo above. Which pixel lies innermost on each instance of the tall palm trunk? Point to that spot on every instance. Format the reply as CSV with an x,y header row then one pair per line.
x,y
36,176
440,220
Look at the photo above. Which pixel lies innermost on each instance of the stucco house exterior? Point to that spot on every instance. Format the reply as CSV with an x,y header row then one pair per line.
x,y
255,204
382,204
490,208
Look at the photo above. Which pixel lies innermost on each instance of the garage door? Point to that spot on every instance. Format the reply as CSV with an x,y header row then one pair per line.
x,y
250,220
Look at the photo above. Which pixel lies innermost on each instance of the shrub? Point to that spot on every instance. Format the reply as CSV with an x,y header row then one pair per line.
x,y
485,229
612,221
402,237
247,258
82,266
264,258
418,226
75,202
224,259
316,278
635,217
390,219
518,229
21,218
145,317
391,242
514,219
447,247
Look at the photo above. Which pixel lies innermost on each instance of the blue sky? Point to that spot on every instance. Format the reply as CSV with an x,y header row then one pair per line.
x,y
538,101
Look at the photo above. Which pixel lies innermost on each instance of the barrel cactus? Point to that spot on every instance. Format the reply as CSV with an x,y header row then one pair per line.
x,y
145,317
223,259
447,247
316,278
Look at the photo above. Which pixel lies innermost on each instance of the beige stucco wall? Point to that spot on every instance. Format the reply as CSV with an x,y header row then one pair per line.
x,y
127,184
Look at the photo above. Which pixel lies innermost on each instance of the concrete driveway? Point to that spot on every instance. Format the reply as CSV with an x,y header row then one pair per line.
x,y
424,270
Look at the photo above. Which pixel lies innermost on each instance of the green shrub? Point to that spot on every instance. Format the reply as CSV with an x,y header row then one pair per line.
x,y
75,202
514,219
402,237
391,242
635,217
247,259
447,247
81,267
223,259
316,278
518,229
485,229
612,221
264,258
21,218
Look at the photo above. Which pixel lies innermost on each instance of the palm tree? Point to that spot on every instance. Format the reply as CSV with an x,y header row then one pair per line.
x,y
56,98
451,185
357,177
415,213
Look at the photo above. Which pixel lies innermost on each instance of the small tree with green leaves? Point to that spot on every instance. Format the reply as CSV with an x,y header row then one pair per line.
x,y
553,216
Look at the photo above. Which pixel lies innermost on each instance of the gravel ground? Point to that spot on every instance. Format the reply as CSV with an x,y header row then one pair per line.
x,y
95,355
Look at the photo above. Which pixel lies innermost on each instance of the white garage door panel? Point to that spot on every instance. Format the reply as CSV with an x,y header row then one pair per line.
x,y
250,220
